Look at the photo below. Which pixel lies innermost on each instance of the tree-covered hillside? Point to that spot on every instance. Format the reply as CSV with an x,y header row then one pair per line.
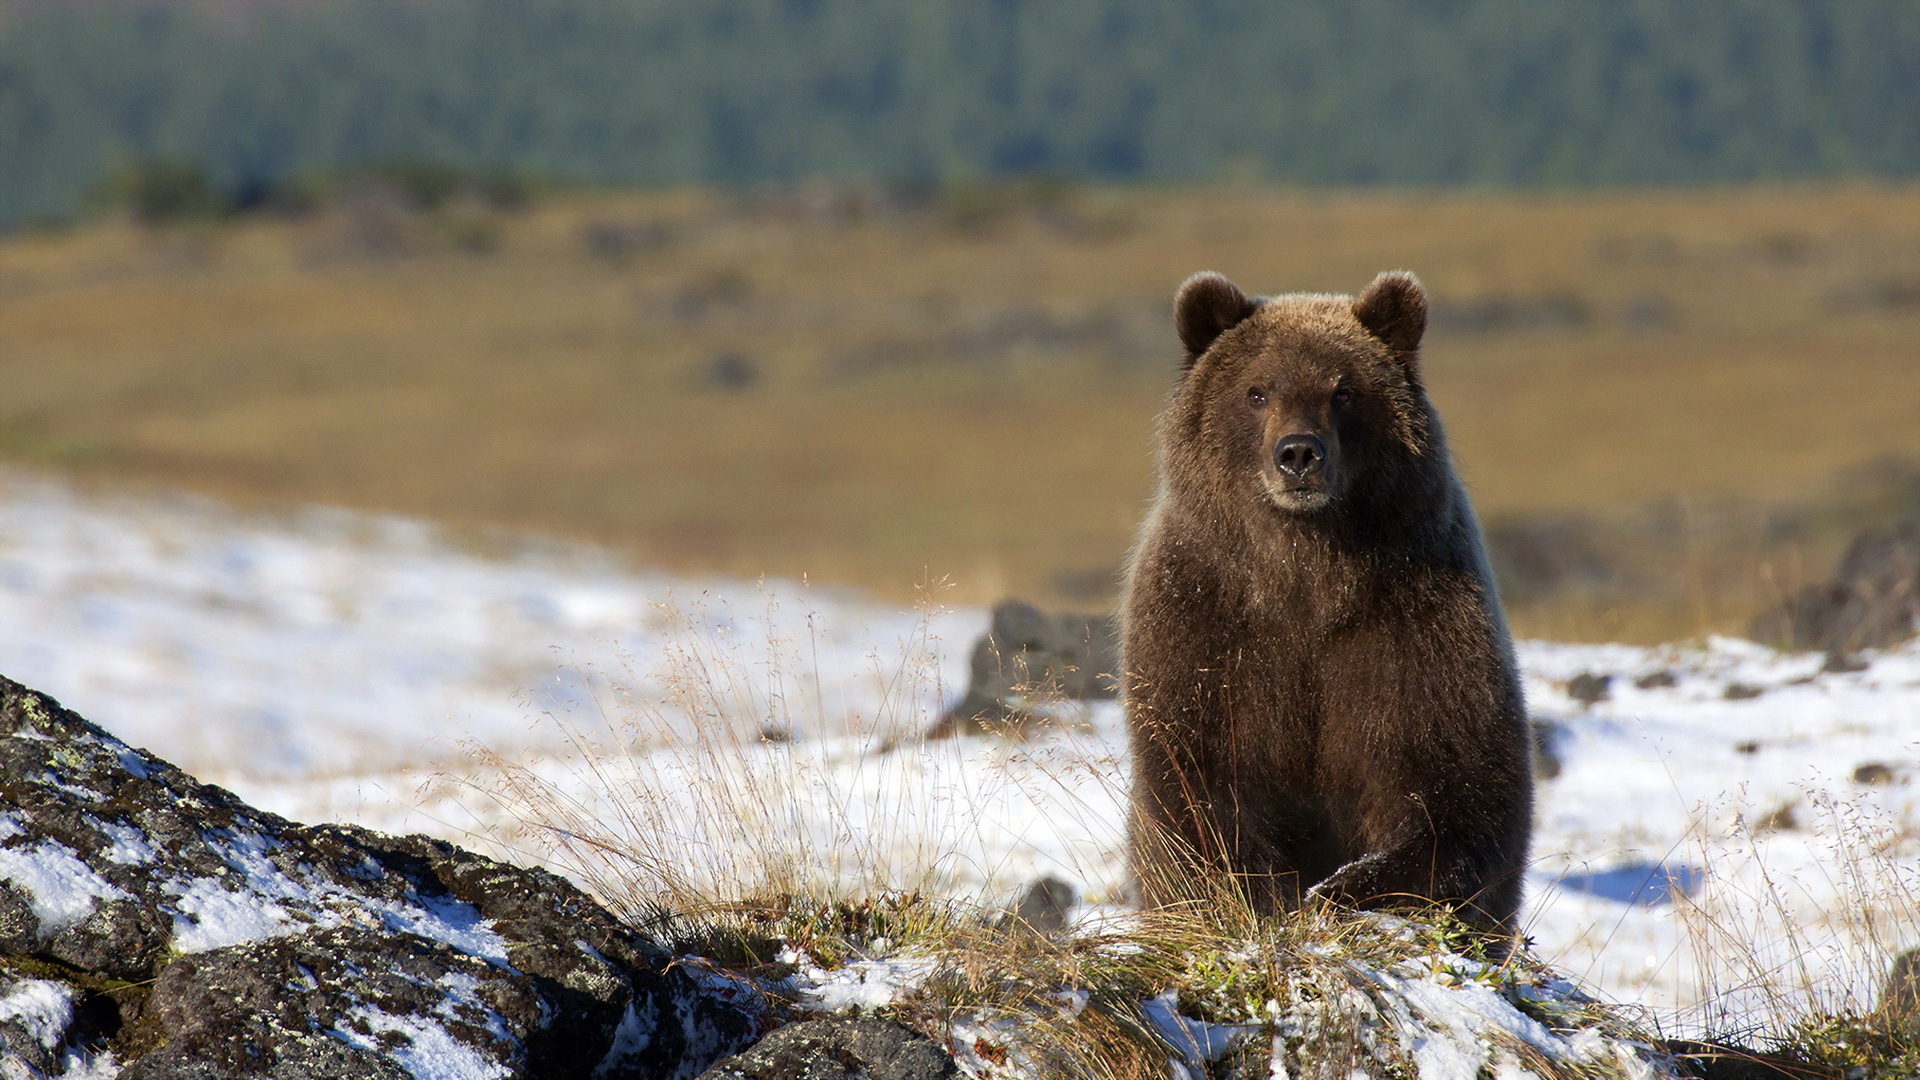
x,y
650,91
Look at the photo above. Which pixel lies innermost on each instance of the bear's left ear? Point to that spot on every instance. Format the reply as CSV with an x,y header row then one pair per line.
x,y
1394,309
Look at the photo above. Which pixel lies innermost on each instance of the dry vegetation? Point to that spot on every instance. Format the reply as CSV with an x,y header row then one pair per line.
x,y
846,857
1651,394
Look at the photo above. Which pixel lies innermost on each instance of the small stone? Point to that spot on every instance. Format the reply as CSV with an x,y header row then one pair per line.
x,y
1779,819
1046,905
731,372
1748,747
1844,663
1875,773
1740,691
1588,688
1658,680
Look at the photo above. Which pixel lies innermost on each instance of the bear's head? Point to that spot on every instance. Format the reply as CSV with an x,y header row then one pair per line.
x,y
1302,403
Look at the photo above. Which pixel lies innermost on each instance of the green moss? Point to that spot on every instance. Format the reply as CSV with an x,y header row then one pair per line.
x,y
1858,1047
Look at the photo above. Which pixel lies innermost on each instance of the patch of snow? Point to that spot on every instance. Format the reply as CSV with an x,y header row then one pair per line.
x,y
630,1039
463,1002
61,889
427,1051
44,1008
209,915
256,649
127,845
989,1048
1198,1040
860,985
445,919
264,902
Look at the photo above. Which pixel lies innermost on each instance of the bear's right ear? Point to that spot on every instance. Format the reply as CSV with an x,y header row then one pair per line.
x,y
1393,308
1207,306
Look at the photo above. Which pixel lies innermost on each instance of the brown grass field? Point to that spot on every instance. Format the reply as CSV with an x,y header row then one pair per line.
x,y
882,390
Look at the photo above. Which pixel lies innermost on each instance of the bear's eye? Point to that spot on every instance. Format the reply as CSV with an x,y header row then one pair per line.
x,y
1257,397
1342,396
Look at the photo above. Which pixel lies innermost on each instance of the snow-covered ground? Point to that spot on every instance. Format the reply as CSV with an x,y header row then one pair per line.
x,y
1705,848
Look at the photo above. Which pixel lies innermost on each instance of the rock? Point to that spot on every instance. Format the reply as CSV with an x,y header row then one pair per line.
x,y
1782,818
1874,772
1045,906
1839,663
865,1048
1028,659
1873,601
1658,680
1588,688
1739,691
730,372
1899,1006
195,936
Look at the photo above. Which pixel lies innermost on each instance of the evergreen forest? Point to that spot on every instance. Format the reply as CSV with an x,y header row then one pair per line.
x,y
251,93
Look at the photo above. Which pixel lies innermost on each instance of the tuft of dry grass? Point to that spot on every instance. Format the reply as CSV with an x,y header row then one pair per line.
x,y
964,387
1759,944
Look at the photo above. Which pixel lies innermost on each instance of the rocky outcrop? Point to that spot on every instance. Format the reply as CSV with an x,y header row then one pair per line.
x,y
160,927
1872,602
860,1048
1028,661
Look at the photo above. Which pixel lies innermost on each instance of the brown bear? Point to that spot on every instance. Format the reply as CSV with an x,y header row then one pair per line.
x,y
1320,691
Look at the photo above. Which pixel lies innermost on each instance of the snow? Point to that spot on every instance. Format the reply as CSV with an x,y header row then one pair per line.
x,y
859,986
630,1039
324,644
261,901
60,888
1199,1040
1706,855
129,846
208,915
425,1049
44,1008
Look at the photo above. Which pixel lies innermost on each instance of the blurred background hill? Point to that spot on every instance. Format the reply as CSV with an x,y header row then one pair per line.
x,y
742,91
877,292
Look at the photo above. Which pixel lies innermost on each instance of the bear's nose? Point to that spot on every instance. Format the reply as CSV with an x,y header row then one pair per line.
x,y
1300,455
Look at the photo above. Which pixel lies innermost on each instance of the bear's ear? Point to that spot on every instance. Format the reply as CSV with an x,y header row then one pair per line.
x,y
1207,306
1394,309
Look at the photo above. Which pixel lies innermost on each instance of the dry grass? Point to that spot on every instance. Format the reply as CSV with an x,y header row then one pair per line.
x,y
965,386
694,818
1761,943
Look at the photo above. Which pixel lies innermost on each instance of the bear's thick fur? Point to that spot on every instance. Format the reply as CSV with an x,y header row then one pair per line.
x,y
1320,691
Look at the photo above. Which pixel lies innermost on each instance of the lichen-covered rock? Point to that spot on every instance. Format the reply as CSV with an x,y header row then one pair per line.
x,y
862,1048
208,939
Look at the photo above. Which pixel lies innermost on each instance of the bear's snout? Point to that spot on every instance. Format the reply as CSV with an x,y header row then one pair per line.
x,y
1299,456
